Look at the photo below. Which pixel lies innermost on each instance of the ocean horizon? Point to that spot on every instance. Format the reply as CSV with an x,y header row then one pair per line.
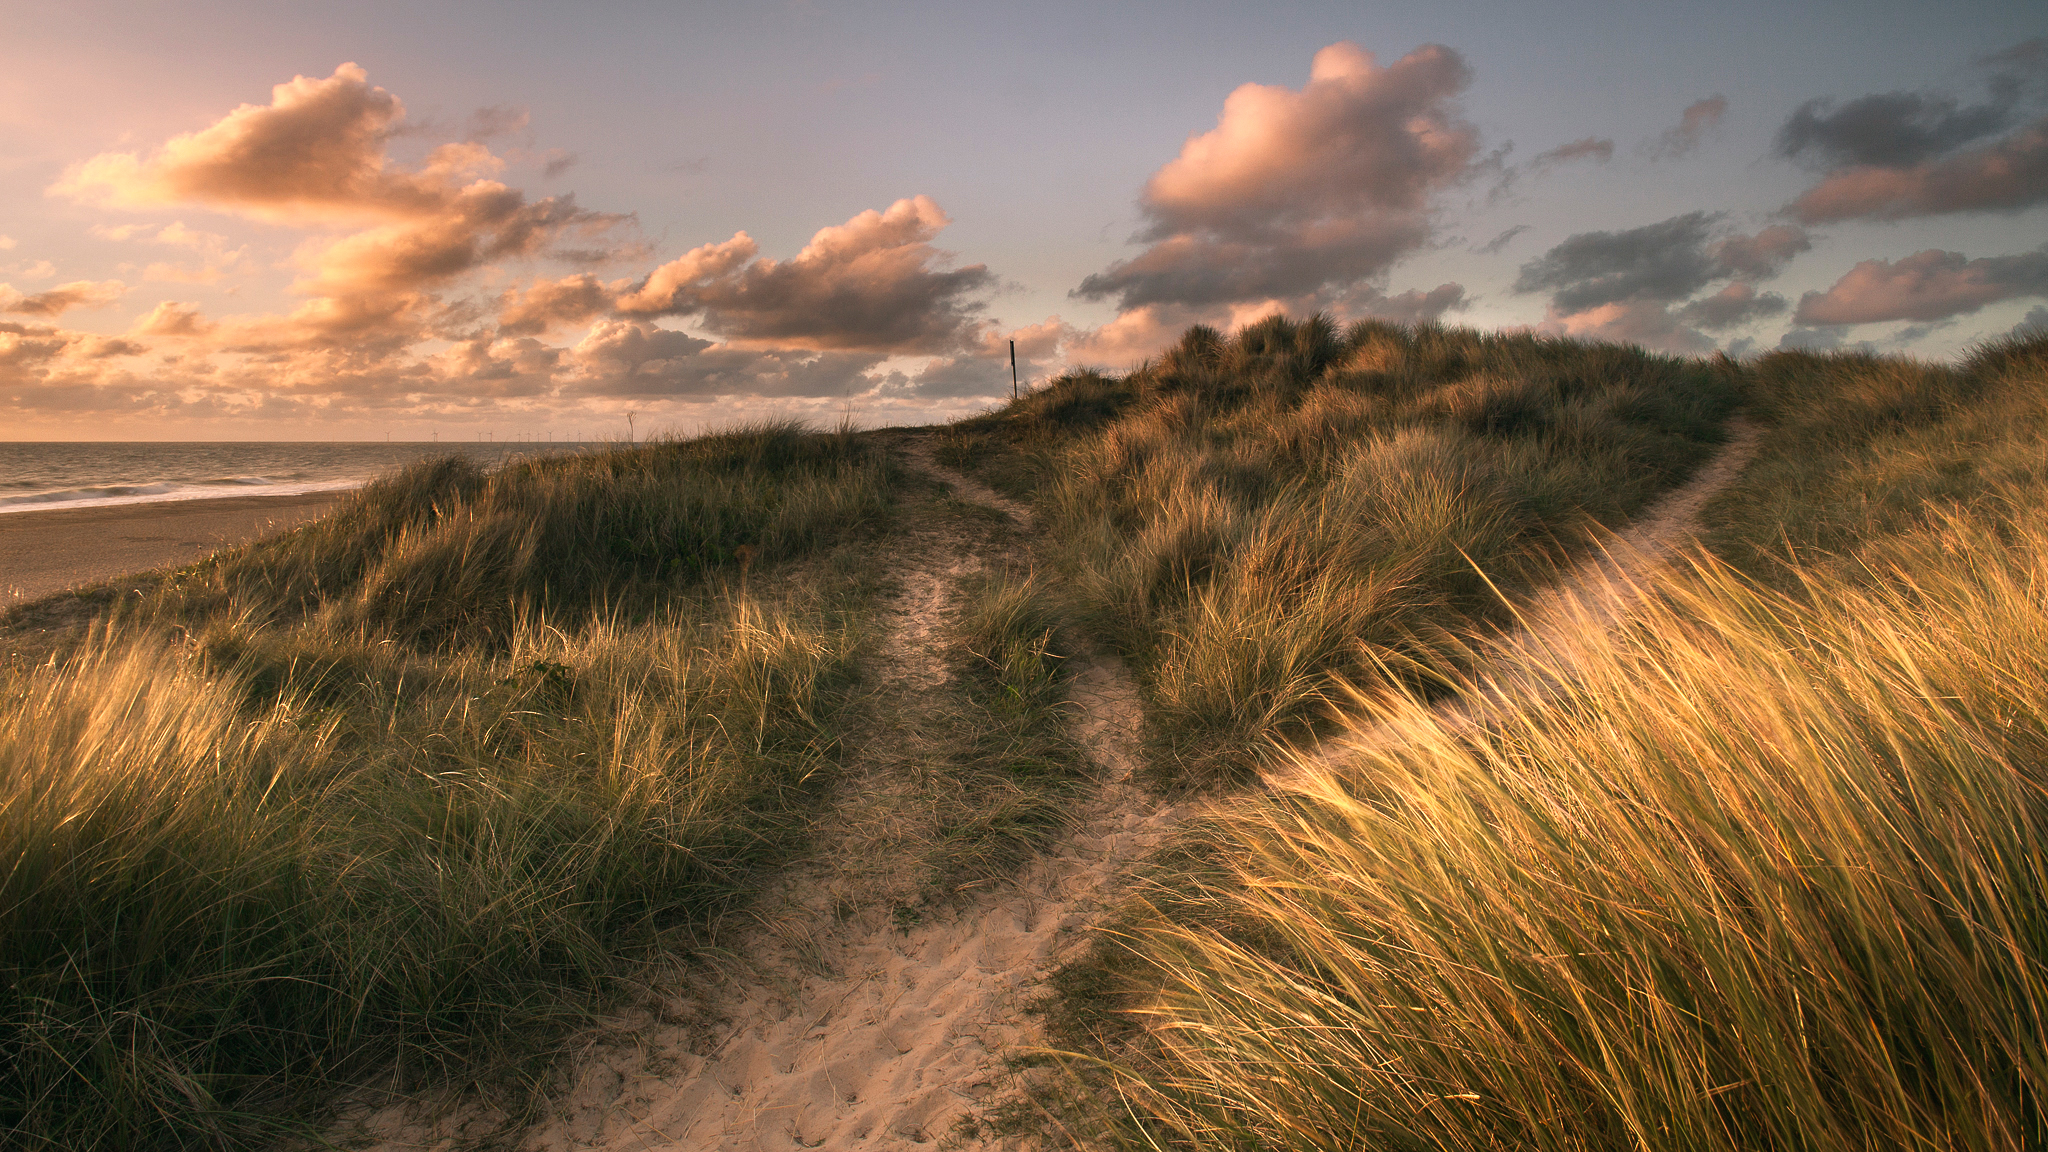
x,y
44,475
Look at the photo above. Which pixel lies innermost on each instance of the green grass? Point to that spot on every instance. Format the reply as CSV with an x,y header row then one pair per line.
x,y
404,794
1256,520
1859,448
1768,874
1012,767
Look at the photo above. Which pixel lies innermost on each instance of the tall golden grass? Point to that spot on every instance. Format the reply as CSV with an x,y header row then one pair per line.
x,y
1766,873
1257,519
406,791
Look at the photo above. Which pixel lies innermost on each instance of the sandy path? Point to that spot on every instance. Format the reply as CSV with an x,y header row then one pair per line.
x,y
1555,624
847,1024
843,1025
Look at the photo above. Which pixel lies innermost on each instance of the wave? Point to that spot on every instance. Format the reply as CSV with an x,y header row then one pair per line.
x,y
101,496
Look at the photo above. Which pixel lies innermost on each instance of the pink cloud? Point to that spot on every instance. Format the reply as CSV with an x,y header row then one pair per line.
x,y
2007,175
1699,117
1644,322
1928,285
1296,190
1590,148
403,273
873,283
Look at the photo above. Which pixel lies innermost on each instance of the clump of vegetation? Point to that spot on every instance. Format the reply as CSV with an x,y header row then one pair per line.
x,y
444,552
1764,873
1014,768
402,793
1257,519
1858,448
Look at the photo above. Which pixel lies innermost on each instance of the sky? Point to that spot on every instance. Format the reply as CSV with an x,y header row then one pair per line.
x,y
224,221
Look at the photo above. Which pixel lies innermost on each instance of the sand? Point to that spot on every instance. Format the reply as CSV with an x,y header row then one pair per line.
x,y
50,550
843,1028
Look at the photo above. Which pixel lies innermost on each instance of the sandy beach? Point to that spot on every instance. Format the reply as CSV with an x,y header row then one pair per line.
x,y
50,550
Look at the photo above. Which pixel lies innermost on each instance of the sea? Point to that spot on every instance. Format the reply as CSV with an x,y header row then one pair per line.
x,y
36,476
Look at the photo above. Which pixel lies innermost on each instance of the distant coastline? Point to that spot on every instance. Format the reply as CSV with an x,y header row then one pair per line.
x,y
52,547
114,496
38,476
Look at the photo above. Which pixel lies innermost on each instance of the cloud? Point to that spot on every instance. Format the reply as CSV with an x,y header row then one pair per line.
x,y
1623,285
413,303
1822,340
1763,255
870,284
1590,148
315,156
547,304
633,358
1294,191
6,243
1663,261
216,259
1895,155
2034,323
62,298
1928,285
497,120
1643,322
1892,129
170,318
1409,307
1699,117
1501,241
2005,176
1737,304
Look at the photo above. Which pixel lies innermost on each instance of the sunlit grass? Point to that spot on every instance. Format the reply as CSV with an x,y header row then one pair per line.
x,y
1256,519
1765,871
1769,875
403,794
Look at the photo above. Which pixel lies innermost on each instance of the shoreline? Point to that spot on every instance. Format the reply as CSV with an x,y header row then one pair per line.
x,y
49,550
189,495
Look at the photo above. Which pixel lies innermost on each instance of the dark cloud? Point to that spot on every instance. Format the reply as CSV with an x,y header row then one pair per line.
x,y
62,298
1890,130
1895,155
1501,241
2034,323
1590,148
1663,261
1294,191
1928,285
1699,117
1737,304
1624,285
2006,176
955,378
632,358
1666,261
1409,307
1763,255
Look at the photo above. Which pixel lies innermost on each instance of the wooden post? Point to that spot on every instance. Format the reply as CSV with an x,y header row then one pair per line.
x,y
1013,371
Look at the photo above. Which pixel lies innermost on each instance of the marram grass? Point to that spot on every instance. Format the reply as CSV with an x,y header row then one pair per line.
x,y
401,796
1769,875
1255,520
